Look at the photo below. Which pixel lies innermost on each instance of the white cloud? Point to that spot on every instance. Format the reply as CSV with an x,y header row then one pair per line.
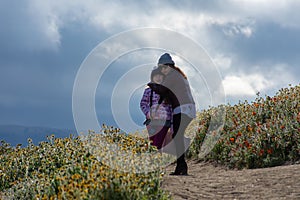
x,y
238,86
285,13
222,62
52,32
46,18
236,30
248,84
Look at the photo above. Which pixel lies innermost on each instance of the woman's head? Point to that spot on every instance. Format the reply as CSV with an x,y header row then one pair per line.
x,y
157,76
166,64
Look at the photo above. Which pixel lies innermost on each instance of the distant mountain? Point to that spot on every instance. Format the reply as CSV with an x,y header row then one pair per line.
x,y
15,134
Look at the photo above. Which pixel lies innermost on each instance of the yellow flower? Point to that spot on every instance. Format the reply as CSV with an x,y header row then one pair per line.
x,y
76,176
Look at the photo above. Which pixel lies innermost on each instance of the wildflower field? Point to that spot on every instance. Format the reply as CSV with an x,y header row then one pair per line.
x,y
64,168
262,133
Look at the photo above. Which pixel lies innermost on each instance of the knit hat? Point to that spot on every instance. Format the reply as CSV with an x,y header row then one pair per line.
x,y
155,72
166,59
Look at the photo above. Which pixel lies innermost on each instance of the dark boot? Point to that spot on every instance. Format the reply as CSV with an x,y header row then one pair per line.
x,y
181,167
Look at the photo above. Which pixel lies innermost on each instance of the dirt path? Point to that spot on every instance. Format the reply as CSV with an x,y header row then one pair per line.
x,y
206,181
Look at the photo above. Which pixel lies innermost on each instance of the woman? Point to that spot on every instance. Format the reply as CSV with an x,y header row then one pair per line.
x,y
175,88
158,115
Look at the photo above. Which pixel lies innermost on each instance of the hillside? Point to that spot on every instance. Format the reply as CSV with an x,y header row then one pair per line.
x,y
262,133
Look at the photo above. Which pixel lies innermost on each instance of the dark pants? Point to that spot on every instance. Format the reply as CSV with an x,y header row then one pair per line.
x,y
180,123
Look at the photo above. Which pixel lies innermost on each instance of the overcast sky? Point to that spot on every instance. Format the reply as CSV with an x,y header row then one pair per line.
x,y
254,44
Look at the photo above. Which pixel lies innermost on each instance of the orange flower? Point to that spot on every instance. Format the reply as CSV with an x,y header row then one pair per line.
x,y
249,128
231,139
269,151
247,144
253,113
239,133
261,152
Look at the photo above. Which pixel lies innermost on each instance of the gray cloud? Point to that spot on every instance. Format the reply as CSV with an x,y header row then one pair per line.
x,y
26,28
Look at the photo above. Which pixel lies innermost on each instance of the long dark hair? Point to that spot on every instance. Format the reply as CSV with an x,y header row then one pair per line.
x,y
178,69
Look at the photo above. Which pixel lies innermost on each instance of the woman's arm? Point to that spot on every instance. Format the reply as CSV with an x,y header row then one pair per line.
x,y
158,88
